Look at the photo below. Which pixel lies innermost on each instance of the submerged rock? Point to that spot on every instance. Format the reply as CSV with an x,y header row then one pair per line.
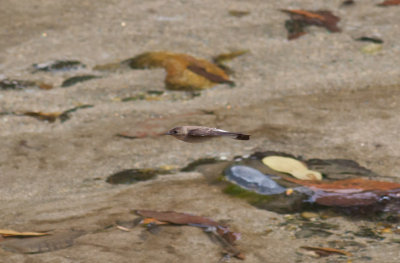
x,y
131,176
252,179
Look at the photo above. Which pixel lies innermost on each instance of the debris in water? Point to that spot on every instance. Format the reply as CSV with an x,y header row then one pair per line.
x,y
74,80
53,116
226,237
326,251
14,84
389,3
58,65
302,18
12,233
370,39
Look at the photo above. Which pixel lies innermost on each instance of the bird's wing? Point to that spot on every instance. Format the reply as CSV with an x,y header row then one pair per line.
x,y
206,132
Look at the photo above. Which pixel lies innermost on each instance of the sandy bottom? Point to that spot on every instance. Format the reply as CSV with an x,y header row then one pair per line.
x,y
318,97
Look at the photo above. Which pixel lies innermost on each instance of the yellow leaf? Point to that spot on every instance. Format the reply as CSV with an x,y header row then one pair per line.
x,y
291,166
184,72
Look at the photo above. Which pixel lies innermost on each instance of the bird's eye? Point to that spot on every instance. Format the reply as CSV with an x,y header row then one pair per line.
x,y
175,132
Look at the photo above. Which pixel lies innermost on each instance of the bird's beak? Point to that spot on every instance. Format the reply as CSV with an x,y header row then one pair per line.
x,y
167,133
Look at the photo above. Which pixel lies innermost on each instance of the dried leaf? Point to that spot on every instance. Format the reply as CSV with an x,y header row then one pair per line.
x,y
355,192
291,166
53,116
150,220
219,60
326,251
224,57
303,18
353,185
184,72
12,233
227,237
389,3
42,116
178,218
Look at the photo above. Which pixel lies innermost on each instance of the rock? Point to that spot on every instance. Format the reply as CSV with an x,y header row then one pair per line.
x,y
252,179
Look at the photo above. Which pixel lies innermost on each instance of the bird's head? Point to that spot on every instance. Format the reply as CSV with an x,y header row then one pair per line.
x,y
177,132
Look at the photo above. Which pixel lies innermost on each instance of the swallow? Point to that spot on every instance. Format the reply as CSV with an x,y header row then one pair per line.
x,y
195,134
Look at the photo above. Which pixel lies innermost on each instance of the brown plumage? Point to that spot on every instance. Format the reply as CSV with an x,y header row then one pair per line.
x,y
199,134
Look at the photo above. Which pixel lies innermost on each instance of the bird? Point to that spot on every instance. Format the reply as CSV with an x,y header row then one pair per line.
x,y
194,134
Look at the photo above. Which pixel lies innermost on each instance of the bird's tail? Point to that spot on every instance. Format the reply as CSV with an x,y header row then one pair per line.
x,y
240,136
236,136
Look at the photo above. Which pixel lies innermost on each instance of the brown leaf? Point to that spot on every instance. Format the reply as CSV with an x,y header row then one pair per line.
x,y
226,237
12,233
50,117
177,218
53,116
354,184
326,251
184,72
389,2
350,192
302,18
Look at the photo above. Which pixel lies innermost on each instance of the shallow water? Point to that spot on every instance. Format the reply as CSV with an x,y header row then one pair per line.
x,y
316,97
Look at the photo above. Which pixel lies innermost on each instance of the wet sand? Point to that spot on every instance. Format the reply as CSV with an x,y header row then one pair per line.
x,y
318,96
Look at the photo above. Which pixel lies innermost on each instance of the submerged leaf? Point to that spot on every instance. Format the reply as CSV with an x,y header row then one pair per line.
x,y
326,251
184,72
291,166
354,184
12,233
303,18
389,2
53,116
227,237
43,116
220,59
